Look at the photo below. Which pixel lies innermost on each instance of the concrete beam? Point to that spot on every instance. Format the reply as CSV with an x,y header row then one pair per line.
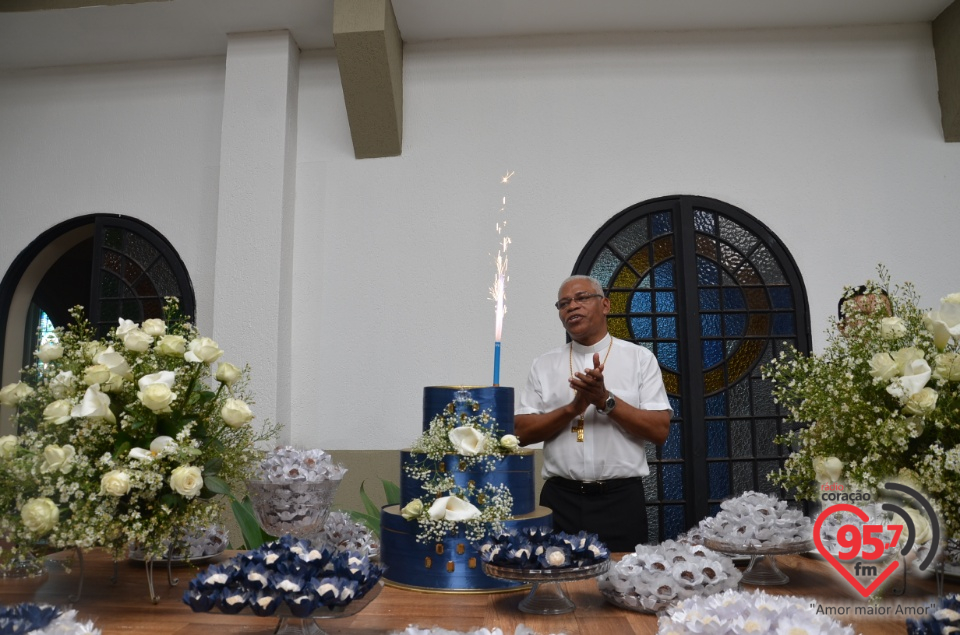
x,y
370,56
946,48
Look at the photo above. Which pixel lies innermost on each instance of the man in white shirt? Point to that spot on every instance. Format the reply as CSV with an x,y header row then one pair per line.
x,y
594,403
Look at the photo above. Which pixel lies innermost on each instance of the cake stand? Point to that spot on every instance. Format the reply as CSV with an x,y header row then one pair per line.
x,y
763,570
546,596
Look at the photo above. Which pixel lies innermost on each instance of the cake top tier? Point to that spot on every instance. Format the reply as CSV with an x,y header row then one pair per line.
x,y
471,401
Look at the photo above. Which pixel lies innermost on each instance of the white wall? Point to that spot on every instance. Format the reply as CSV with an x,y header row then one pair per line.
x,y
829,137
141,140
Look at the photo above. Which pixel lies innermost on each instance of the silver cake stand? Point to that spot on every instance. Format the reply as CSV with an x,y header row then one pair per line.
x,y
546,596
763,569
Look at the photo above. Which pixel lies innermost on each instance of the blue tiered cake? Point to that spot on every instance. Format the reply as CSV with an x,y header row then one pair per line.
x,y
426,555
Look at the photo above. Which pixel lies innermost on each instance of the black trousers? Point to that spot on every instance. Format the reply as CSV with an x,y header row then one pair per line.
x,y
615,510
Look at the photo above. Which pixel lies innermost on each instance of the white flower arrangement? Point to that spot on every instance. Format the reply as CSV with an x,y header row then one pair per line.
x,y
123,440
881,402
655,576
756,521
738,612
446,506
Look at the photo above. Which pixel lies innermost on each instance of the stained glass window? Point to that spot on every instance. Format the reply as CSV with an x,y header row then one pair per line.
x,y
135,271
715,295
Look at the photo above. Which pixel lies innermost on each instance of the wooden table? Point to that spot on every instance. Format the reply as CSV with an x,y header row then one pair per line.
x,y
125,607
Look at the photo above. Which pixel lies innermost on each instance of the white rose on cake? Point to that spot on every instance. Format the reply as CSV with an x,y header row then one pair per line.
x,y
412,510
467,440
509,442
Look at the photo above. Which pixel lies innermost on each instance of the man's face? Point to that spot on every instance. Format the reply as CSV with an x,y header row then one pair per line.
x,y
584,320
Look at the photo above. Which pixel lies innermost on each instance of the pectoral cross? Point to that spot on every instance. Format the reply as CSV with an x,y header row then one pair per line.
x,y
578,429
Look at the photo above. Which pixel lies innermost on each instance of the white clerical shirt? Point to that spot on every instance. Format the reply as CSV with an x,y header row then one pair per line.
x,y
631,373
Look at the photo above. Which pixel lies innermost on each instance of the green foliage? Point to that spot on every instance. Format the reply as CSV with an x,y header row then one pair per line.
x,y
371,514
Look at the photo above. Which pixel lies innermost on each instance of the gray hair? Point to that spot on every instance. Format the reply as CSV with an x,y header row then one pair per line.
x,y
594,283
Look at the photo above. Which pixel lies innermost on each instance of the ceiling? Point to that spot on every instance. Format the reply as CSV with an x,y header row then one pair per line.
x,y
141,30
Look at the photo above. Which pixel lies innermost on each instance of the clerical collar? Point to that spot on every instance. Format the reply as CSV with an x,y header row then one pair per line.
x,y
599,347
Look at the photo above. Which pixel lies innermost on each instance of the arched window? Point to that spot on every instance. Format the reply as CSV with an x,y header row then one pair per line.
x,y
114,266
715,295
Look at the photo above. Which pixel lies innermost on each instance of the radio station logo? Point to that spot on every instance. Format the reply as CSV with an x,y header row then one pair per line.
x,y
863,547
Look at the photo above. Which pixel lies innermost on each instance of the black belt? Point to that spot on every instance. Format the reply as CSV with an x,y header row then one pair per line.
x,y
593,487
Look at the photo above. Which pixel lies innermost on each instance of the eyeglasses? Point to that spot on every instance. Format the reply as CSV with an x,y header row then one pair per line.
x,y
580,298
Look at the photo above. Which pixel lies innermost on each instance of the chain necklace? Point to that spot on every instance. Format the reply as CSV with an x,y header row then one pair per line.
x,y
578,428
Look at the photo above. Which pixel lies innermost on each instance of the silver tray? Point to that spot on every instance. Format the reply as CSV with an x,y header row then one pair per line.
x,y
564,574
749,550
622,600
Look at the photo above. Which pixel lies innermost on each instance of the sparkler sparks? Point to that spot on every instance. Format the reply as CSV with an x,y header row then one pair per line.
x,y
498,290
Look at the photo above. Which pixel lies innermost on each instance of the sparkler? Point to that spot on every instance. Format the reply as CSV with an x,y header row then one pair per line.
x,y
498,290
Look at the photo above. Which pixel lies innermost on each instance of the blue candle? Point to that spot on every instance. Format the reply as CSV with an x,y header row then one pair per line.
x,y
496,364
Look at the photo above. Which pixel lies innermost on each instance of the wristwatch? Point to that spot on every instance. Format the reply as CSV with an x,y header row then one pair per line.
x,y
608,404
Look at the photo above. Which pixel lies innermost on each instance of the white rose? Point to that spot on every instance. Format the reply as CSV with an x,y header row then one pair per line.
x,y
467,440
509,442
8,446
154,327
883,367
833,468
57,412
40,515
921,525
227,373
905,356
157,397
921,403
137,341
892,328
165,377
124,327
453,509
203,350
945,323
412,510
915,376
114,361
94,404
947,367
49,351
91,349
96,374
235,413
62,385
172,346
186,480
114,384
13,394
56,458
115,483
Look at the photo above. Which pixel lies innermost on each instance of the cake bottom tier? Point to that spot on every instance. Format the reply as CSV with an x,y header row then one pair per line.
x,y
450,566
